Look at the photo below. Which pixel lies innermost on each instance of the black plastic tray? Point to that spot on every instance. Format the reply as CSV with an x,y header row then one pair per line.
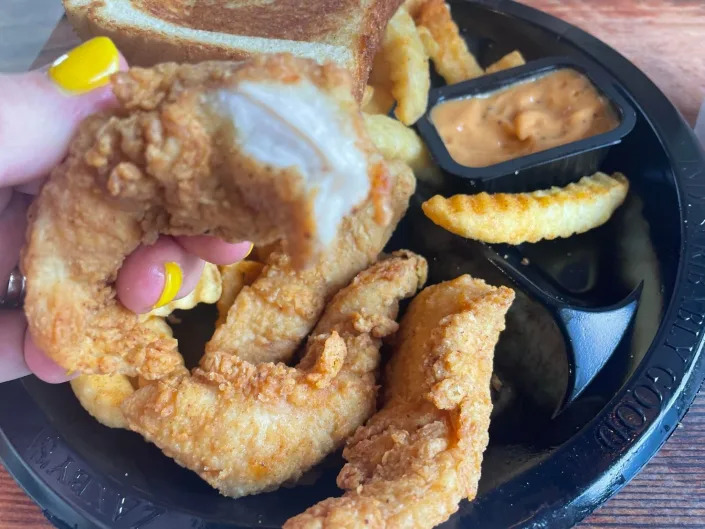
x,y
538,471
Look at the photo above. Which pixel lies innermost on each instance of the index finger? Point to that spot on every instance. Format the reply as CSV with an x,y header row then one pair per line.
x,y
214,250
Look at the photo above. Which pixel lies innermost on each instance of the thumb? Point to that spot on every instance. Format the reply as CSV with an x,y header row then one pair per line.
x,y
40,110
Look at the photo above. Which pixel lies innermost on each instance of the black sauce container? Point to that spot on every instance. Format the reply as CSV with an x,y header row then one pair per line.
x,y
555,166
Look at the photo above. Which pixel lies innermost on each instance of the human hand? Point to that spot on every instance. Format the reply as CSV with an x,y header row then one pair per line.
x,y
39,113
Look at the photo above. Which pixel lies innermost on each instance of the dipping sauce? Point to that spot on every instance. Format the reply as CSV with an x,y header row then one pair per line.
x,y
530,116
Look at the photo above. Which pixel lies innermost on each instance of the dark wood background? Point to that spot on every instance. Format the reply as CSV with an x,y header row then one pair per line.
x,y
666,39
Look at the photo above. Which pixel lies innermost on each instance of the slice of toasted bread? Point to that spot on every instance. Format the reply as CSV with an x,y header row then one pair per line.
x,y
346,32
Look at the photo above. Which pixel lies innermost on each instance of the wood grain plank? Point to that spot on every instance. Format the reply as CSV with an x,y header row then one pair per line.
x,y
665,39
670,491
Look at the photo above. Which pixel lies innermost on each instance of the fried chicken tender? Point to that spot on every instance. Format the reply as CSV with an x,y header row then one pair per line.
x,y
417,458
189,151
248,428
515,218
235,277
270,318
102,395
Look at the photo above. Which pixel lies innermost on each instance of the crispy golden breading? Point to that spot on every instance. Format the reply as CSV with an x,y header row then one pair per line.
x,y
510,60
408,67
264,329
235,277
417,458
102,395
248,428
452,59
269,318
164,162
531,217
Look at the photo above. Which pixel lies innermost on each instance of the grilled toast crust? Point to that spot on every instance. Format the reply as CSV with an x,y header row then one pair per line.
x,y
374,23
344,36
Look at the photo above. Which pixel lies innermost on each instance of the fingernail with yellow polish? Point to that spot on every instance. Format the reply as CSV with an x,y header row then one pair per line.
x,y
252,245
173,277
87,66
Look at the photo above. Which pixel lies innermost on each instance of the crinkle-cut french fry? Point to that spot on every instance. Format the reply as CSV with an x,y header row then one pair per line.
x,y
510,60
530,217
453,60
398,142
429,43
408,67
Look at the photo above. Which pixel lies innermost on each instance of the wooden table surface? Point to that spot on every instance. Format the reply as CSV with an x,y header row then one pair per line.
x,y
666,39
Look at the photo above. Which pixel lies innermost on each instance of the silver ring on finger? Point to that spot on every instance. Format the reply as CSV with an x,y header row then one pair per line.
x,y
14,296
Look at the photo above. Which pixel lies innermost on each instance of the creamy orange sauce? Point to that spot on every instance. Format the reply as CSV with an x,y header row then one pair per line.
x,y
531,116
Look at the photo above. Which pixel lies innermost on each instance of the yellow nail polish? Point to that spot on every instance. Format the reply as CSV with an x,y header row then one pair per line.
x,y
87,66
252,245
173,277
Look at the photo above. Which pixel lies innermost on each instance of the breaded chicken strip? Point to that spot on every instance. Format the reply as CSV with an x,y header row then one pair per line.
x,y
269,318
269,149
235,277
416,459
103,395
248,428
